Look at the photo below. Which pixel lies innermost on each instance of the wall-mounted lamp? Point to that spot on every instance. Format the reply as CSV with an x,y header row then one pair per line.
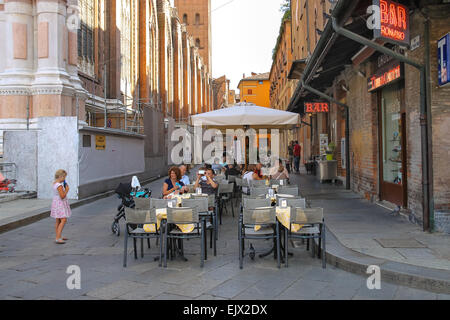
x,y
362,73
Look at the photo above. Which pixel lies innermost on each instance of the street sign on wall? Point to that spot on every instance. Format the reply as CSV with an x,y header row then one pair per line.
x,y
100,142
443,59
394,22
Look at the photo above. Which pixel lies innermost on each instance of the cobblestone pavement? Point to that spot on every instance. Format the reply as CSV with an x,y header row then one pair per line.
x,y
32,266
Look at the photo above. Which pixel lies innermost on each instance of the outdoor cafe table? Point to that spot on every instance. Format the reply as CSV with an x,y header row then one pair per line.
x,y
283,217
161,214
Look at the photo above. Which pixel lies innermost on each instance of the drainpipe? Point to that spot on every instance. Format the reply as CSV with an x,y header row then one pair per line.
x,y
28,113
423,110
428,118
347,128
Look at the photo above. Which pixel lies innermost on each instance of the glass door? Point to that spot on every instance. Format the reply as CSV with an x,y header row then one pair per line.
x,y
392,145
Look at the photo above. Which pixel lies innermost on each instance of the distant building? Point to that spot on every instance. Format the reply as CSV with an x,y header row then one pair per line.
x,y
231,97
282,88
255,89
221,90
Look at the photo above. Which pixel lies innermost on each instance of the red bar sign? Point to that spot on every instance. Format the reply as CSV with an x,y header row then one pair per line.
x,y
378,81
394,19
316,107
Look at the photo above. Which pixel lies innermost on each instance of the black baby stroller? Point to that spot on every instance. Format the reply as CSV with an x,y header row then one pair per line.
x,y
126,192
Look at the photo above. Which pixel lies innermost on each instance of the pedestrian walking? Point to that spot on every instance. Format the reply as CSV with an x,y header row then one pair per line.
x,y
60,209
297,153
290,165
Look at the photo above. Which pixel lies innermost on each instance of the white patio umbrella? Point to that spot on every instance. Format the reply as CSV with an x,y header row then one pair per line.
x,y
246,115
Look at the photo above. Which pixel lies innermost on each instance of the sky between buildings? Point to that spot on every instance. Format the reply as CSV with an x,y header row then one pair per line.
x,y
244,33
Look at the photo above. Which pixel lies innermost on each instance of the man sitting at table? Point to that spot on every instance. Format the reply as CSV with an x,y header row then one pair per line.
x,y
279,172
232,170
206,181
184,177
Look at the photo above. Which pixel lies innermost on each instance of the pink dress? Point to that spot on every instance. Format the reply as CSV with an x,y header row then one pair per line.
x,y
60,207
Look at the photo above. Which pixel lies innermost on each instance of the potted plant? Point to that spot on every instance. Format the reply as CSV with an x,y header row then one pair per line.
x,y
330,151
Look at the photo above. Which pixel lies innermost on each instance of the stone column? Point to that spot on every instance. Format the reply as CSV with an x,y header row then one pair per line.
x,y
53,92
17,55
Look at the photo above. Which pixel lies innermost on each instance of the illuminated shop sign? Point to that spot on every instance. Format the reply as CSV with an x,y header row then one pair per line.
x,y
394,22
443,59
316,107
385,77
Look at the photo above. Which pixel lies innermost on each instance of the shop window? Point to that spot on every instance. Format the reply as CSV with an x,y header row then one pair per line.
x,y
391,135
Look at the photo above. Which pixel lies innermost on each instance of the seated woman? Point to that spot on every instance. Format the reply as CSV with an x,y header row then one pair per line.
x,y
279,172
206,181
173,184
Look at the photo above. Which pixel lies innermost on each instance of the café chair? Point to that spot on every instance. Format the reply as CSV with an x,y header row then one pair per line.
x,y
257,183
267,219
293,202
277,182
177,216
291,190
314,228
202,204
135,220
257,191
225,192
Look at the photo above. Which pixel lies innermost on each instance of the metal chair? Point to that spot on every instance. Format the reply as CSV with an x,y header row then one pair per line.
x,y
264,217
293,202
257,183
314,228
159,203
212,208
257,191
137,218
202,204
220,178
291,190
177,216
281,182
249,203
225,191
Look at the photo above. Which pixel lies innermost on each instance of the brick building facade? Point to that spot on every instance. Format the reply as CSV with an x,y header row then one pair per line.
x,y
386,112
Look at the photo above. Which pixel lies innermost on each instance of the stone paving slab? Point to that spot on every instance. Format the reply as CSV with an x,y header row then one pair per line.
x,y
99,254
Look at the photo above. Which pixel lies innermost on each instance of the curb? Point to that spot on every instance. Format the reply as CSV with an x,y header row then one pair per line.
x,y
40,215
432,280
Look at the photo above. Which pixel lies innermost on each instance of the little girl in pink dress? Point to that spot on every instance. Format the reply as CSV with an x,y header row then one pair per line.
x,y
60,209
